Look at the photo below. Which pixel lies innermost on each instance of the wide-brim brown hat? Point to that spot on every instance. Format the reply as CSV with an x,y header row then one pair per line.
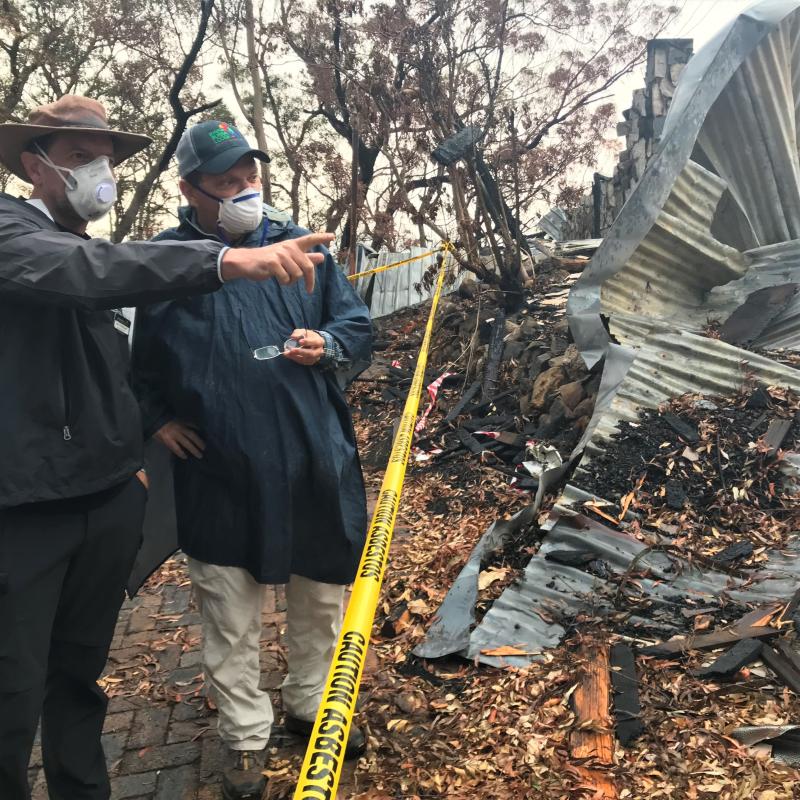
x,y
69,113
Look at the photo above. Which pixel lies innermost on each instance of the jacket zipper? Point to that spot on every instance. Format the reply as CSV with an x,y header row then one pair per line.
x,y
65,411
65,431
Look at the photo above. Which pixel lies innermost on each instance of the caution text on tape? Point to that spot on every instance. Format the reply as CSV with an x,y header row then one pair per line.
x,y
322,766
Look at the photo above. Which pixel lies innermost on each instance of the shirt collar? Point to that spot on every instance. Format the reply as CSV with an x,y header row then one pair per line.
x,y
37,203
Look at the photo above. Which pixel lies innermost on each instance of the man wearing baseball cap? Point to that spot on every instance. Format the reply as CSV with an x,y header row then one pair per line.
x,y
71,492
241,387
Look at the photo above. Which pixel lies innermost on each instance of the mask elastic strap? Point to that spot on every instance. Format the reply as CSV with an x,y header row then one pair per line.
x,y
220,232
70,183
207,194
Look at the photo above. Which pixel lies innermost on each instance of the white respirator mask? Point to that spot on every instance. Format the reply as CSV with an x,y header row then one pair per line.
x,y
241,213
91,188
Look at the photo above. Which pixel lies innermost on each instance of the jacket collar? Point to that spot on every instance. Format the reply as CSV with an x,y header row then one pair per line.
x,y
19,205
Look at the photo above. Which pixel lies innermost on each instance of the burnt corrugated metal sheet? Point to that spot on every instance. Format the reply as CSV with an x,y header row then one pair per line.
x,y
554,223
527,615
725,180
773,265
666,365
669,364
750,136
397,288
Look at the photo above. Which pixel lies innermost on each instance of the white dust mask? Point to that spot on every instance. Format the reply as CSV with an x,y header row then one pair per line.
x,y
241,213
91,188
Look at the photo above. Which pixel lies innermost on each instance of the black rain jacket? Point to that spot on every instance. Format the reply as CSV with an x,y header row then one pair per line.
x,y
69,423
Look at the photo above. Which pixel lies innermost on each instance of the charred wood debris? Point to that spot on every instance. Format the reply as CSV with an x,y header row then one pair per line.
x,y
703,479
511,379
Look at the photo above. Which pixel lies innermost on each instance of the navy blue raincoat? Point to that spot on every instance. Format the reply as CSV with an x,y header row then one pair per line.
x,y
279,489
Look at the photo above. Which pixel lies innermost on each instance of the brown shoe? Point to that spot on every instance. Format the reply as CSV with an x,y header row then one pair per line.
x,y
242,776
356,741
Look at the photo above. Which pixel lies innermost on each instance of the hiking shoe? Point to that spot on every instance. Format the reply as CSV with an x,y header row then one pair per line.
x,y
242,777
356,741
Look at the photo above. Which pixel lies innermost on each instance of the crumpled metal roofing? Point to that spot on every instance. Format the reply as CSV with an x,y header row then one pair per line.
x,y
668,364
525,615
773,265
715,218
554,223
724,185
398,288
782,741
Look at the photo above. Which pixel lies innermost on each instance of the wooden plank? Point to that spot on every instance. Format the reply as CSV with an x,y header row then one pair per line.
x,y
493,356
684,429
733,552
758,617
462,403
592,737
782,667
470,442
627,710
776,433
728,664
708,641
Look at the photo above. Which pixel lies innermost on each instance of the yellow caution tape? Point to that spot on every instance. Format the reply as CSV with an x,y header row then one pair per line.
x,y
322,766
375,271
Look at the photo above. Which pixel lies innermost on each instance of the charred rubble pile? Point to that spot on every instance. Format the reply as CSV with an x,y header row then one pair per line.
x,y
709,474
709,483
672,544
499,384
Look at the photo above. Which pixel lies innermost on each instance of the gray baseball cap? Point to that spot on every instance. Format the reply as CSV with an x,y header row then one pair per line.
x,y
213,147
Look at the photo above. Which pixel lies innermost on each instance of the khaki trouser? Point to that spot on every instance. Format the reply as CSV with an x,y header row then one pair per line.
x,y
230,603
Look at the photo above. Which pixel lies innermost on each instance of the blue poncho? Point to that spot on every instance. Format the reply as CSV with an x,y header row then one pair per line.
x,y
279,489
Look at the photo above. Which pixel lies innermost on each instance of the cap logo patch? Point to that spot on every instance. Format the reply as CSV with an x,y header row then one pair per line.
x,y
224,132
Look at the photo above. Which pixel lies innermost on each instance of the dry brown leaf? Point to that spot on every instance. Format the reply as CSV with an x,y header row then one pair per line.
x,y
489,576
505,650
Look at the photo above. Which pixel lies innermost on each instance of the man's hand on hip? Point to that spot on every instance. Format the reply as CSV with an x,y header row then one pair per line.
x,y
287,261
310,350
180,439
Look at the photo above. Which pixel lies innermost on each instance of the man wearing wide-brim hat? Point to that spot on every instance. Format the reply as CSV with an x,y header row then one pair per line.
x,y
71,492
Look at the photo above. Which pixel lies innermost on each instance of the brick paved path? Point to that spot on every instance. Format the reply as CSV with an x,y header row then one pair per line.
x,y
163,745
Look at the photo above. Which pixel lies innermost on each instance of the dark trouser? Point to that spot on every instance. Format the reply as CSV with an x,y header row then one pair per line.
x,y
63,568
